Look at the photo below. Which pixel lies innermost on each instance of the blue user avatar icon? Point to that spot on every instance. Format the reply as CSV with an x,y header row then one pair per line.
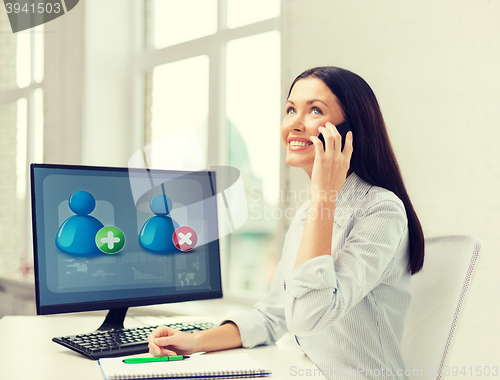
x,y
156,234
76,236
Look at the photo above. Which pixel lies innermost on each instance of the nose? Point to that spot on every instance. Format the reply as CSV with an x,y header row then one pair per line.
x,y
297,125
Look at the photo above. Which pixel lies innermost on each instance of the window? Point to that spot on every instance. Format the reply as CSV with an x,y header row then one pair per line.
x,y
253,120
173,108
218,71
21,128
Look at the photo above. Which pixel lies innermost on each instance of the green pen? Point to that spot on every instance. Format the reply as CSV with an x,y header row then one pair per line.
x,y
155,359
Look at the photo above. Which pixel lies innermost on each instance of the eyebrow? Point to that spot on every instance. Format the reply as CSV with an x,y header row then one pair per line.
x,y
309,102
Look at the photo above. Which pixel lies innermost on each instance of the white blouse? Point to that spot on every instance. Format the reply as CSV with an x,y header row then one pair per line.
x,y
347,310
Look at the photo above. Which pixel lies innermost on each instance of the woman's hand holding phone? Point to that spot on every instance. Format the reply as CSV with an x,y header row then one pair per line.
x,y
331,164
328,175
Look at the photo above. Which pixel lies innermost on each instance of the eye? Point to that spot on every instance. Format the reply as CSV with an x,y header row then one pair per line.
x,y
316,111
290,111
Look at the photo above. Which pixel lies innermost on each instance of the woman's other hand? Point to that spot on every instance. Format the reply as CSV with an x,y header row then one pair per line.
x,y
166,341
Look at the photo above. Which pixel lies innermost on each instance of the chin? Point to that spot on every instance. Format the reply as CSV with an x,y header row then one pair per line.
x,y
298,162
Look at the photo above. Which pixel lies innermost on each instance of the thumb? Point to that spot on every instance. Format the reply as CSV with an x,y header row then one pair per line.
x,y
163,341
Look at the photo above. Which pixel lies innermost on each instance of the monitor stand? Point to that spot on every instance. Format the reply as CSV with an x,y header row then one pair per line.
x,y
114,319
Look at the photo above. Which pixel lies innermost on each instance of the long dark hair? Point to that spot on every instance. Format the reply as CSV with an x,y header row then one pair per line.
x,y
372,159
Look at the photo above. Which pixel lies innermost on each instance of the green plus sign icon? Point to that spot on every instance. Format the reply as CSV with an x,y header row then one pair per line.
x,y
110,240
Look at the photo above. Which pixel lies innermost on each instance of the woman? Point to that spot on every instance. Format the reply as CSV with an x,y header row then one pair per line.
x,y
343,285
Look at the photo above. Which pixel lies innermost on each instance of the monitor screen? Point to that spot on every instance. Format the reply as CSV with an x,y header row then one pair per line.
x,y
110,238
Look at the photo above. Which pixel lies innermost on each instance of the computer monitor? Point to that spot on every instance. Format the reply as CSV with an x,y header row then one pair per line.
x,y
113,238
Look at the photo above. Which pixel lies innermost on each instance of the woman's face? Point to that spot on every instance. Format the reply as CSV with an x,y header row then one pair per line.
x,y
310,105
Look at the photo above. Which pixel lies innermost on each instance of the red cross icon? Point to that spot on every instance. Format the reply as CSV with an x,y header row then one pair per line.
x,y
185,238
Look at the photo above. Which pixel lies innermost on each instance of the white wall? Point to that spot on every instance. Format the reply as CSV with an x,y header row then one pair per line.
x,y
434,66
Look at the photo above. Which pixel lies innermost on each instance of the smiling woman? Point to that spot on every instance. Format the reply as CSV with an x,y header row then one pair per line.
x,y
309,106
343,285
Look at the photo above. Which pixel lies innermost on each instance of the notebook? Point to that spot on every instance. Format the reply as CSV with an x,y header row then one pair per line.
x,y
196,367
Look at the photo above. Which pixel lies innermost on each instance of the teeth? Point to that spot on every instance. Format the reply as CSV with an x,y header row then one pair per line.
x,y
300,143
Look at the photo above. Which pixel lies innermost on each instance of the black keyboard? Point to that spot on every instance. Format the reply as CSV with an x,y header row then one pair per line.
x,y
109,343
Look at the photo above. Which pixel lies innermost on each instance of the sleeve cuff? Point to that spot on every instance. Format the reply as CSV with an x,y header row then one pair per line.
x,y
314,274
250,336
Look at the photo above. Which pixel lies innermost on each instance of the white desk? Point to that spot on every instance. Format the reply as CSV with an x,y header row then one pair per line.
x,y
27,350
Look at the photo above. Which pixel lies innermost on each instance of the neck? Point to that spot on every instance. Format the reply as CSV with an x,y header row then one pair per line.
x,y
309,172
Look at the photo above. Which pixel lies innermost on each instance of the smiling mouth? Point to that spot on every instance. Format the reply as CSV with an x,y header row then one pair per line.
x,y
299,143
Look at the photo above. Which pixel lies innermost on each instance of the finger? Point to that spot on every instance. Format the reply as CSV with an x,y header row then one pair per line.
x,y
164,341
167,352
161,346
160,331
154,349
327,137
348,148
318,145
162,351
336,137
163,331
152,345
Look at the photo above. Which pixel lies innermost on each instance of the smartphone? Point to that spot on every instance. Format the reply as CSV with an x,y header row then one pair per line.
x,y
343,128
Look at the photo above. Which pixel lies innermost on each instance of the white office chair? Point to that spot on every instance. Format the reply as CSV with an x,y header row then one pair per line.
x,y
439,292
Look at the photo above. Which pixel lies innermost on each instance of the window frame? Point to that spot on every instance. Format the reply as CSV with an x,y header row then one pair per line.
x,y
214,46
25,248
